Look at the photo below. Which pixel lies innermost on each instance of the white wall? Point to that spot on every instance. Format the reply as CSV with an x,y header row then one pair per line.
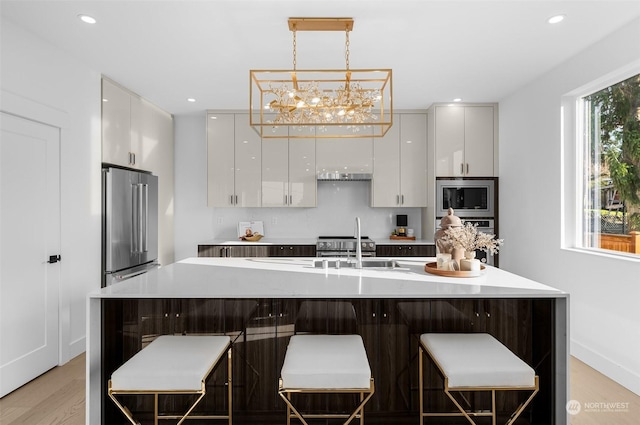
x,y
605,291
338,203
33,69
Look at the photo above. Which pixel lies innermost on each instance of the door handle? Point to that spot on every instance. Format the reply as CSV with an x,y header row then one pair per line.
x,y
54,259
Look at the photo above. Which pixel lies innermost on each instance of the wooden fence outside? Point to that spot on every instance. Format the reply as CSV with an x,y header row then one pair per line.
x,y
623,243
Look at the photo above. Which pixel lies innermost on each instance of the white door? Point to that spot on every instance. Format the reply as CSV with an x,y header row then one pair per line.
x,y
30,234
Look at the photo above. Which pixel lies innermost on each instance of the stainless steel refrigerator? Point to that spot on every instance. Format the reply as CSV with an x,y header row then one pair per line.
x,y
129,223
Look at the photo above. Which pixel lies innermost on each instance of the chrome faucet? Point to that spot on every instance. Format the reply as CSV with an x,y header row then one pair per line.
x,y
358,244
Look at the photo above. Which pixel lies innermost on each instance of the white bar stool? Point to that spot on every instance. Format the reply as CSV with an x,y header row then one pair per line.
x,y
316,364
173,365
475,362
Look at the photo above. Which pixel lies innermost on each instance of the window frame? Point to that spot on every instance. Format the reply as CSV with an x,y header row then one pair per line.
x,y
573,173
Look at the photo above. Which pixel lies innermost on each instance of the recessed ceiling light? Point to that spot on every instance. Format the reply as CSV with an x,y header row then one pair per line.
x,y
556,19
190,99
457,99
87,19
105,100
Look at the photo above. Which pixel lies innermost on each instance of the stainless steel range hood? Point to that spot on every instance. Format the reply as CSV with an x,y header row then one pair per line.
x,y
335,177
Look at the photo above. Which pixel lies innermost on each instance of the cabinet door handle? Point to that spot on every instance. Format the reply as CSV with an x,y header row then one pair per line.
x,y
290,199
134,159
285,199
467,168
401,199
397,199
461,168
231,199
236,199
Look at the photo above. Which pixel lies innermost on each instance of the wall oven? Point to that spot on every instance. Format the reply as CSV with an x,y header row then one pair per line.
x,y
469,198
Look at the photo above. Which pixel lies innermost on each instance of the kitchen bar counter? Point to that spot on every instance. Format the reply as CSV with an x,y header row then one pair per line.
x,y
269,294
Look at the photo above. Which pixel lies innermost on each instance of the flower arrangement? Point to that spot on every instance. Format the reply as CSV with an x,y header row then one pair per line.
x,y
468,238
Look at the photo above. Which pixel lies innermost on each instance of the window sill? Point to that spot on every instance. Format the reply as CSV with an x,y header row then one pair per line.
x,y
603,253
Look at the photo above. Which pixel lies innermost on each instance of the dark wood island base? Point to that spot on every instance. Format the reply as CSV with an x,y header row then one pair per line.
x,y
390,328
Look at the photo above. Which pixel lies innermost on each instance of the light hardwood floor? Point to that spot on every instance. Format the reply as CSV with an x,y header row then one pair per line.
x,y
57,398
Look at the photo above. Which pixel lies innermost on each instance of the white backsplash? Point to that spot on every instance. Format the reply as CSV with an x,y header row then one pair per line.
x,y
338,205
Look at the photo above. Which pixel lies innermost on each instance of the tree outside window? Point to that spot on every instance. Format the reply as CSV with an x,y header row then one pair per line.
x,y
612,163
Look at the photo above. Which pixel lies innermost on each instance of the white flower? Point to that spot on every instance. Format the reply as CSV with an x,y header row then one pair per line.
x,y
468,238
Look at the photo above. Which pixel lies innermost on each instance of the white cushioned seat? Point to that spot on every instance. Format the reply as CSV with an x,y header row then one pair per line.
x,y
477,360
171,363
326,361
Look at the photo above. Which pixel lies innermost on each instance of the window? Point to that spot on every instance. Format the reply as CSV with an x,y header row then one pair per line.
x,y
610,205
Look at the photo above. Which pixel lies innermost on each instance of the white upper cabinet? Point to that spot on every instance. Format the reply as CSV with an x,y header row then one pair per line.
x,y
288,173
465,140
116,125
135,133
234,161
302,173
400,164
345,155
275,172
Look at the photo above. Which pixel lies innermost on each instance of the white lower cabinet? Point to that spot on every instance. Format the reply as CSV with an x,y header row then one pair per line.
x,y
289,173
234,154
400,164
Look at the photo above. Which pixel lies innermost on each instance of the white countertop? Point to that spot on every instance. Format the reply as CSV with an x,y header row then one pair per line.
x,y
263,241
387,241
309,241
296,278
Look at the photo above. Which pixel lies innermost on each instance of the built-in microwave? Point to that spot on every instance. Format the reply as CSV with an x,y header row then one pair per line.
x,y
468,197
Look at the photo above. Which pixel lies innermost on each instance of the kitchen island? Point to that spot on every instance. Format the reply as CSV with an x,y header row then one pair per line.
x,y
260,302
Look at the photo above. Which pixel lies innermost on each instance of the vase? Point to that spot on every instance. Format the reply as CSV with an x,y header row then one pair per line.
x,y
457,254
469,263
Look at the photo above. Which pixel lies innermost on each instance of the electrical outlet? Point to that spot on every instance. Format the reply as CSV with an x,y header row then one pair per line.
x,y
274,220
220,220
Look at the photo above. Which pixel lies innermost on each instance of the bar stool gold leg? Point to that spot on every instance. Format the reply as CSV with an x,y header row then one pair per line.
x,y
155,408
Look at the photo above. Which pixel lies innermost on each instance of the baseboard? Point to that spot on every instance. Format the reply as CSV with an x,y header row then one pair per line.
x,y
77,347
623,376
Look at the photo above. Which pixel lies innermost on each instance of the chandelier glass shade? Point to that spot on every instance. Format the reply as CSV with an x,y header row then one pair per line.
x,y
329,103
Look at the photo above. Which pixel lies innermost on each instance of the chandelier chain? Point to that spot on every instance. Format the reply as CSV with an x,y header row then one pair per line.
x,y
294,48
346,45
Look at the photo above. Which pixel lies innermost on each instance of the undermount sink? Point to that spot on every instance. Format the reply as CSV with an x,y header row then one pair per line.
x,y
366,264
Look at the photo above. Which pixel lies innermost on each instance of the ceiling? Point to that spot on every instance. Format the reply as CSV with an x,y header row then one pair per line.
x,y
168,51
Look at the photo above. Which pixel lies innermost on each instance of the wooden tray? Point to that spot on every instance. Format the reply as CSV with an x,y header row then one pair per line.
x,y
402,238
433,269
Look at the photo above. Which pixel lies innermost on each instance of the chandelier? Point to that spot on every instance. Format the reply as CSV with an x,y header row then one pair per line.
x,y
324,103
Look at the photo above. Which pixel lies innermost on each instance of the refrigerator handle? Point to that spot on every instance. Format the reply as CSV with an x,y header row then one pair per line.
x,y
140,232
145,216
135,223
